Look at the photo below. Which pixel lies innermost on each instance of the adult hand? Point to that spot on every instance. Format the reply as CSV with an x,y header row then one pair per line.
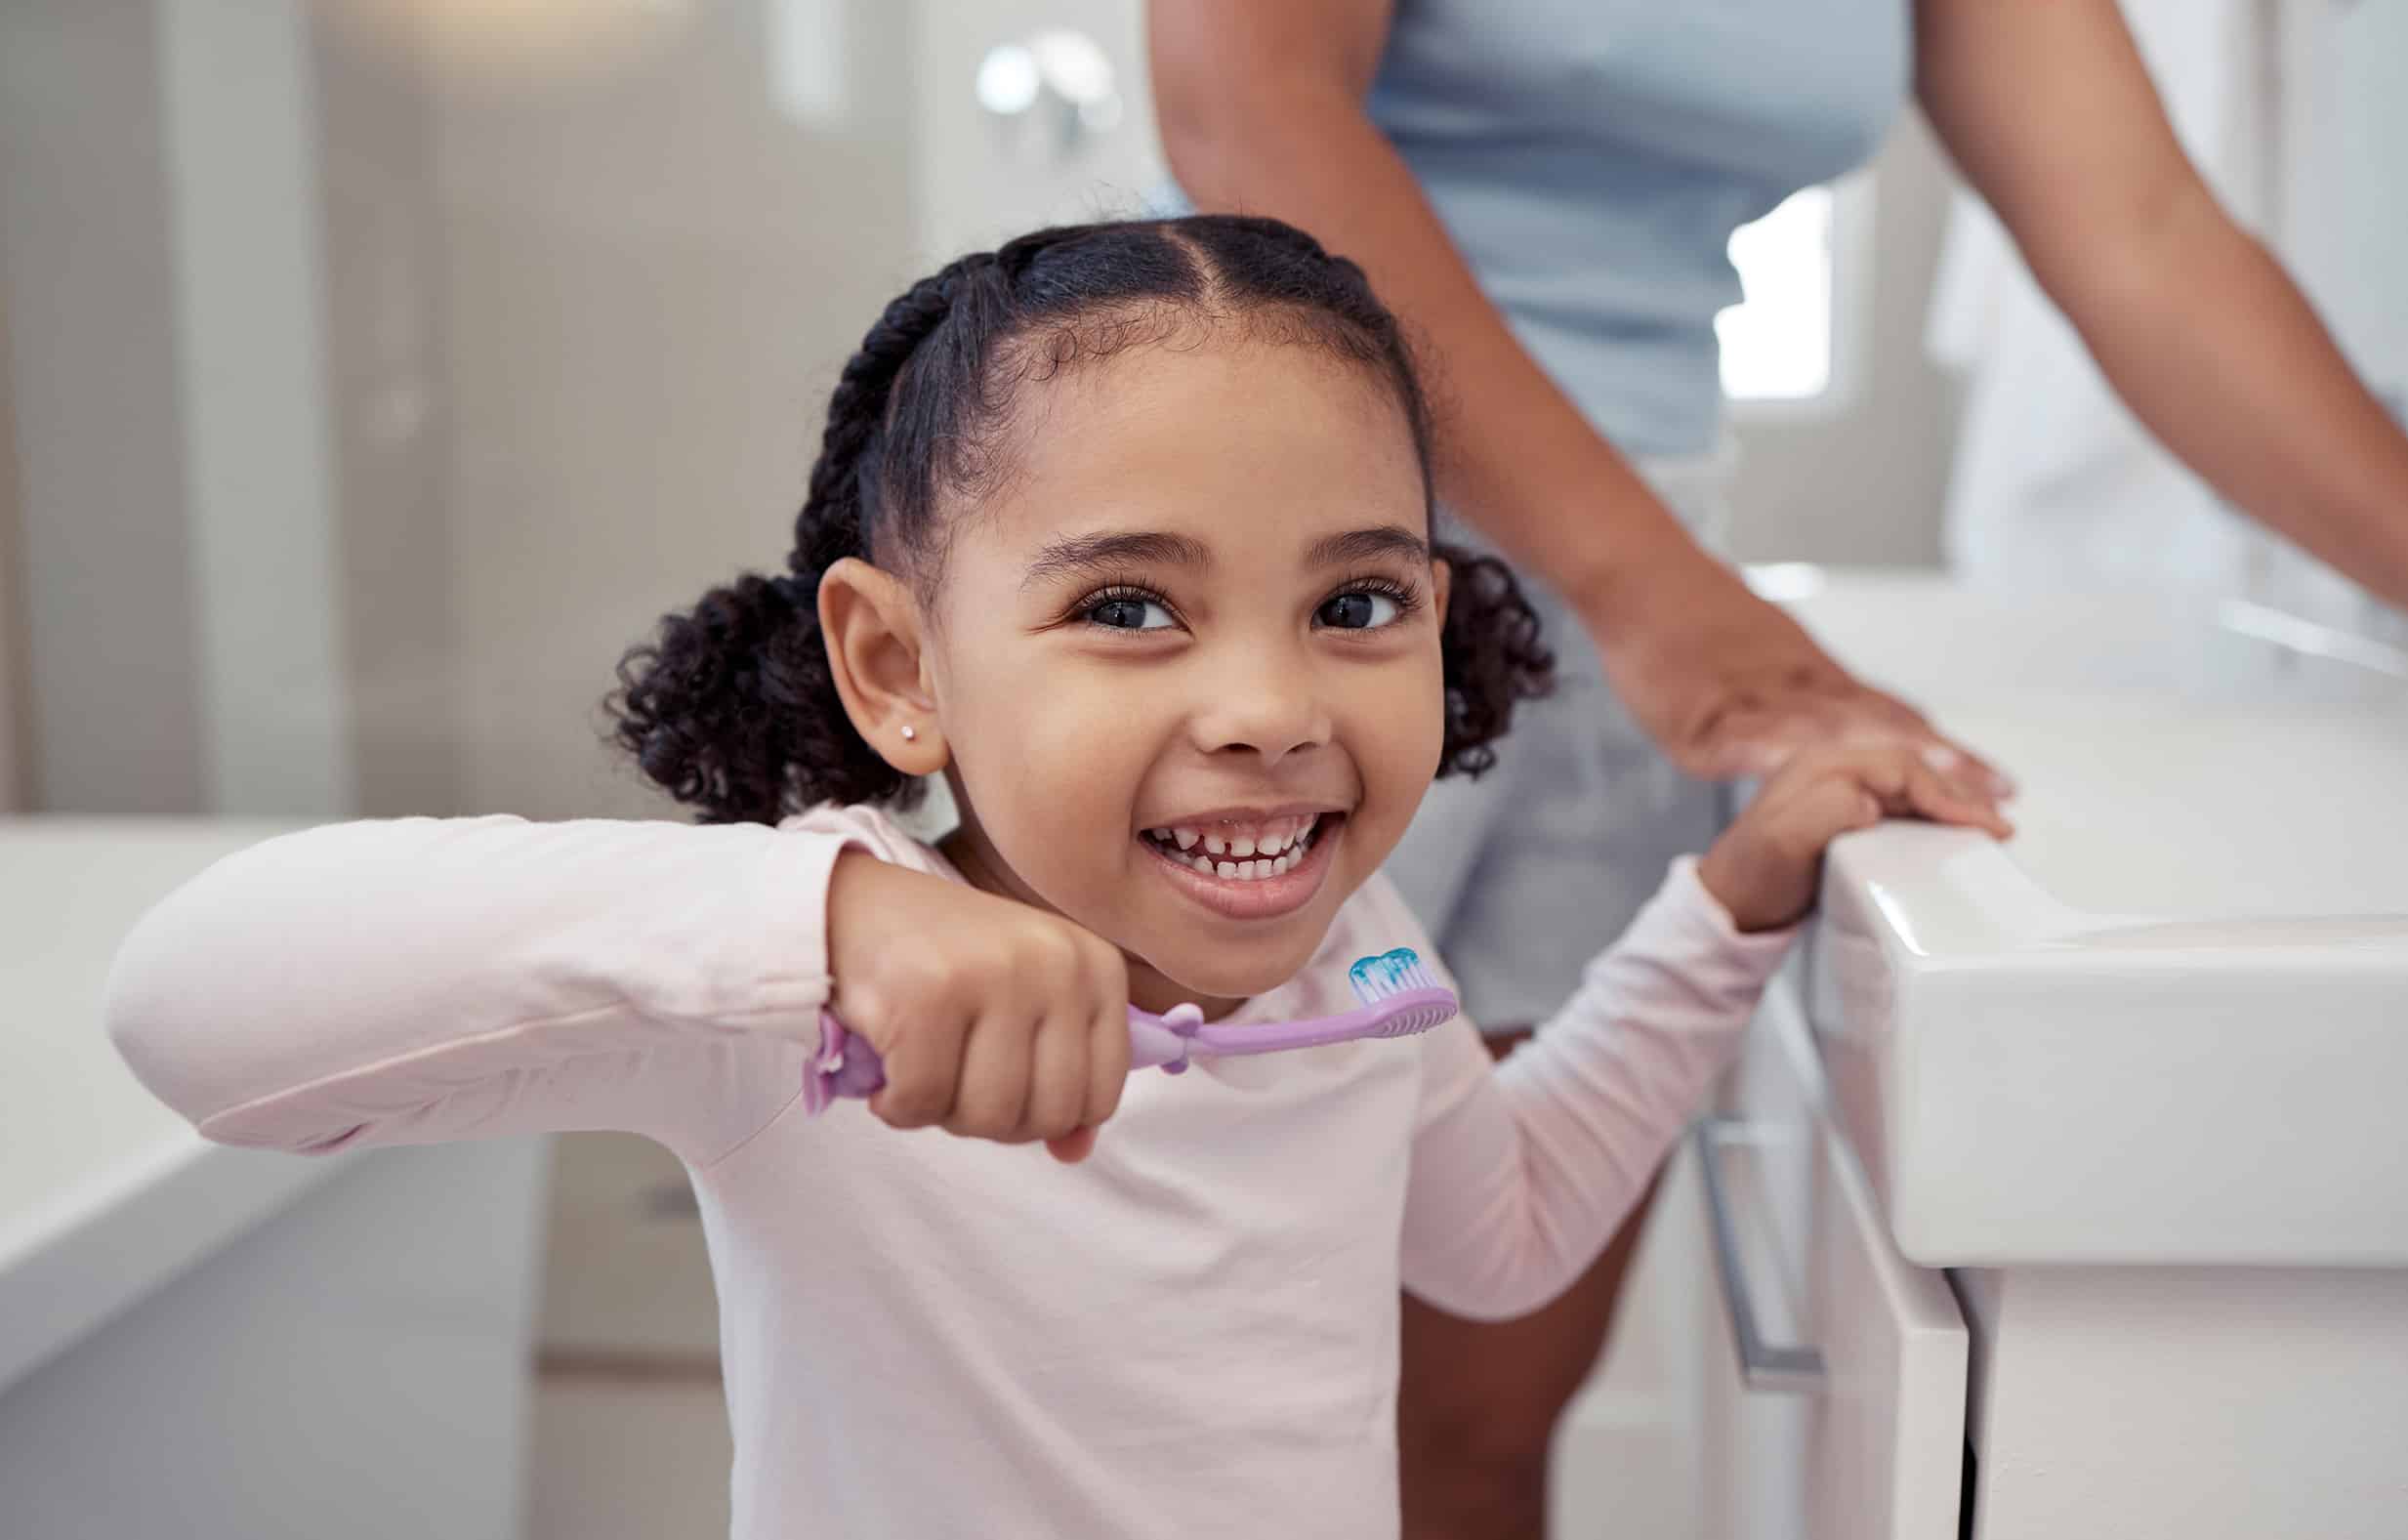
x,y
1729,685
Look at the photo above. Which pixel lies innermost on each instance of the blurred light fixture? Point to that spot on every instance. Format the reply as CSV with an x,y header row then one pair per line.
x,y
1008,80
1060,80
510,41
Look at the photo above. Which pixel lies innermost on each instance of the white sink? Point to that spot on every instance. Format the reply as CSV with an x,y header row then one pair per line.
x,y
2169,1023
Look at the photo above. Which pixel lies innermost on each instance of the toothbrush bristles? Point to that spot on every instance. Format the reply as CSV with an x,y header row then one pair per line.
x,y
1376,978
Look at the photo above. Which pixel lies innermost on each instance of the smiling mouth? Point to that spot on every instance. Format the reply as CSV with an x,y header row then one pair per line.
x,y
1242,879
1253,851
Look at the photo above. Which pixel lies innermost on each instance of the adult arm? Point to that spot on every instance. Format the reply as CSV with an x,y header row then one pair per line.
x,y
2051,114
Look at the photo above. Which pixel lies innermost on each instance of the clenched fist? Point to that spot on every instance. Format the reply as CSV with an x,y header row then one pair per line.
x,y
994,1020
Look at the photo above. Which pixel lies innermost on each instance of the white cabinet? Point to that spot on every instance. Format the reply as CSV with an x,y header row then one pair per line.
x,y
1835,1400
2190,1403
2133,1079
1779,1372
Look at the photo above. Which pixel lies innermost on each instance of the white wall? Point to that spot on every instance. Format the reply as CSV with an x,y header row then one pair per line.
x,y
158,270
240,141
12,640
649,284
584,321
111,669
2344,215
373,388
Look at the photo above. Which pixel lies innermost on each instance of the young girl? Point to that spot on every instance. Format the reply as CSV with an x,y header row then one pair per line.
x,y
1126,531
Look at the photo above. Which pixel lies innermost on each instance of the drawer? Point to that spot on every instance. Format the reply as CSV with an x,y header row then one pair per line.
x,y
1836,1400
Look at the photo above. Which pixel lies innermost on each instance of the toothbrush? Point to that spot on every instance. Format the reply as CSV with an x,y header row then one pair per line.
x,y
1398,999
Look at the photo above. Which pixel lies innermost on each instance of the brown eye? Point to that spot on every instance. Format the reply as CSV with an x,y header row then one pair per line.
x,y
1359,610
1128,612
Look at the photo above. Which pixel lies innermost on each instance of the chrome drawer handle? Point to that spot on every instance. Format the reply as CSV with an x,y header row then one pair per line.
x,y
1776,1368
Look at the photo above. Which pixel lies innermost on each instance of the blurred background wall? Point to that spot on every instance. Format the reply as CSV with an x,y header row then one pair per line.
x,y
376,373
374,385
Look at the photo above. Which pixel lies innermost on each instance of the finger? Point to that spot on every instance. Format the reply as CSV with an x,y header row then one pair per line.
x,y
1829,809
1932,796
1073,1147
1770,738
1963,778
1876,758
1058,1075
1752,741
922,1067
1107,1032
1898,713
1976,775
1107,1057
993,1095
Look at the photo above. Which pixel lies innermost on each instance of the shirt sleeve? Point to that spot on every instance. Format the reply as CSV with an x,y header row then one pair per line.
x,y
1521,1171
421,980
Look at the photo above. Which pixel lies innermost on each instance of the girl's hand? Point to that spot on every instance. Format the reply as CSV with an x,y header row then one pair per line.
x,y
994,1020
1765,866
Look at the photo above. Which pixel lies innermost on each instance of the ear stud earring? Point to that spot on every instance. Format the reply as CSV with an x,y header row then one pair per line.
x,y
910,732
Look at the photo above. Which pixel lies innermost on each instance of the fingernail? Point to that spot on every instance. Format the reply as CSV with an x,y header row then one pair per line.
x,y
1940,757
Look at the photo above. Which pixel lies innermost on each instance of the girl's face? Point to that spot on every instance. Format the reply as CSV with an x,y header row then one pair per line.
x,y
1186,661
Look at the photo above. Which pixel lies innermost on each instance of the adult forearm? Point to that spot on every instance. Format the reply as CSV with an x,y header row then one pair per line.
x,y
2215,350
1515,457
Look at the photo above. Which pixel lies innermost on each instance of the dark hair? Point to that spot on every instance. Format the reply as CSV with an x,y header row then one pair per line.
x,y
732,707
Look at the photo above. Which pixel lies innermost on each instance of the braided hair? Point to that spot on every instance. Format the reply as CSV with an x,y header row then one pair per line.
x,y
732,708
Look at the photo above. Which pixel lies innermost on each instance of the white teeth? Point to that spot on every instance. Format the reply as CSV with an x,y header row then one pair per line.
x,y
1237,858
1254,871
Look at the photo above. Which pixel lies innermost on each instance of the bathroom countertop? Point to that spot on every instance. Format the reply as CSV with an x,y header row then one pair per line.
x,y
104,1193
2167,1023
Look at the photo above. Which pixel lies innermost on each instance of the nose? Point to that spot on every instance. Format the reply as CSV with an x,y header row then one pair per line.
x,y
1264,701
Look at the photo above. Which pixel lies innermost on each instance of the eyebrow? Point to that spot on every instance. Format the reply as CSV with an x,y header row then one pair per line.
x,y
1368,545
1078,556
1087,555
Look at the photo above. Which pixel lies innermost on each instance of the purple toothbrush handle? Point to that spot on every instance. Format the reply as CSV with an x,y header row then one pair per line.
x,y
846,1065
1401,1015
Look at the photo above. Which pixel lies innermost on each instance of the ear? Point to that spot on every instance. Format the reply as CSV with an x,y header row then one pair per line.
x,y
1441,585
874,634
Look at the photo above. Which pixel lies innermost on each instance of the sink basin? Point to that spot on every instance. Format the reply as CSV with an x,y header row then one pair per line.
x,y
2168,1023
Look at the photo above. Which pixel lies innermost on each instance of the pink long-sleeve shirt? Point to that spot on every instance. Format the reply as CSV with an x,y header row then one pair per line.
x,y
1192,1334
